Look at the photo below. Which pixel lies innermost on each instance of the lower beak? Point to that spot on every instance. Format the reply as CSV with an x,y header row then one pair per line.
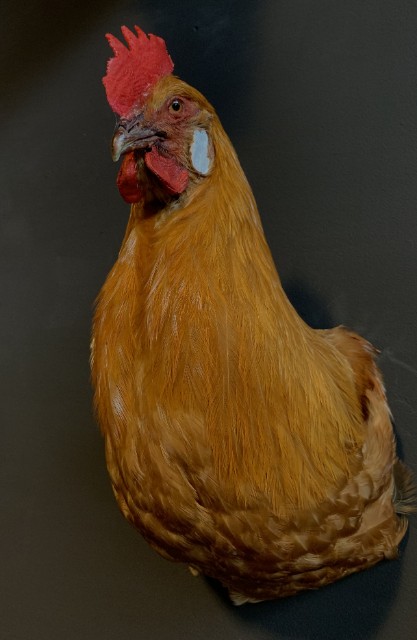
x,y
132,135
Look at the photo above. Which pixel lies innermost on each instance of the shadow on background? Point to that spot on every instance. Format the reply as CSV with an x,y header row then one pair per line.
x,y
312,309
352,608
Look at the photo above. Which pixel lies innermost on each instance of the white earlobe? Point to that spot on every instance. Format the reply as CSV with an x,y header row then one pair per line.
x,y
200,152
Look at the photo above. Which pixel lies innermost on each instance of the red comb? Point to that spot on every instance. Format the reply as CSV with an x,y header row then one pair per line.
x,y
134,69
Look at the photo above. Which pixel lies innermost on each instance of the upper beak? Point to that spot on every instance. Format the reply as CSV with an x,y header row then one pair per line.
x,y
133,134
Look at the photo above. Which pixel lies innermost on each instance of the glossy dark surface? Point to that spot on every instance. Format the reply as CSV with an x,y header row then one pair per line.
x,y
320,100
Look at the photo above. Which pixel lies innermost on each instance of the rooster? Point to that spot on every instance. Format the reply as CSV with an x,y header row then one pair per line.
x,y
238,440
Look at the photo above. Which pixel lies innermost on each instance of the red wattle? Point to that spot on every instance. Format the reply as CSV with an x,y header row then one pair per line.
x,y
127,179
171,174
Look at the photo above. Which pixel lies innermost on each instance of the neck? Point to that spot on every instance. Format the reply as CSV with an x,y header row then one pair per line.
x,y
212,237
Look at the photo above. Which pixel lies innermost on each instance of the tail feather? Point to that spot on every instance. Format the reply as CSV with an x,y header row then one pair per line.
x,y
405,490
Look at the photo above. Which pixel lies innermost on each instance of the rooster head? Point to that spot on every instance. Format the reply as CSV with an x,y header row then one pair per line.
x,y
163,128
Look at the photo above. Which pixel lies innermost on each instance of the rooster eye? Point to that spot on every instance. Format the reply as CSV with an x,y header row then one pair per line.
x,y
175,106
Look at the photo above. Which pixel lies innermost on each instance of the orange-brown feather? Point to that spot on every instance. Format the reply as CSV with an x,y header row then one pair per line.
x,y
231,425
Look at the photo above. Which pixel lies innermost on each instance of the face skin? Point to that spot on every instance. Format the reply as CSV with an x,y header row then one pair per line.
x,y
161,133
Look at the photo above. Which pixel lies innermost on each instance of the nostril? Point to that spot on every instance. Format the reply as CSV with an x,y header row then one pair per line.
x,y
121,124
130,124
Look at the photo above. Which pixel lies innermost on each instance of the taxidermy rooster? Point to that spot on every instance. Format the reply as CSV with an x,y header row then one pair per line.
x,y
238,440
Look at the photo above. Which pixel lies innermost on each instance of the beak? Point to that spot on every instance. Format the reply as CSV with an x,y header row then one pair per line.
x,y
133,134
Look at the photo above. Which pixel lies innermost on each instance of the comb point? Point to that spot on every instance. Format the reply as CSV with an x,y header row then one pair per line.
x,y
134,69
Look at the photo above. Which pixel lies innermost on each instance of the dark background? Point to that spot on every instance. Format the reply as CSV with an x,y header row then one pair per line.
x,y
320,99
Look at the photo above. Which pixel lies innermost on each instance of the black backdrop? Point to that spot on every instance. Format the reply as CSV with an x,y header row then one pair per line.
x,y
319,98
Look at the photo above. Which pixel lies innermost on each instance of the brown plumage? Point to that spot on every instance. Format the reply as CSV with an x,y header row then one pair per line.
x,y
238,439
